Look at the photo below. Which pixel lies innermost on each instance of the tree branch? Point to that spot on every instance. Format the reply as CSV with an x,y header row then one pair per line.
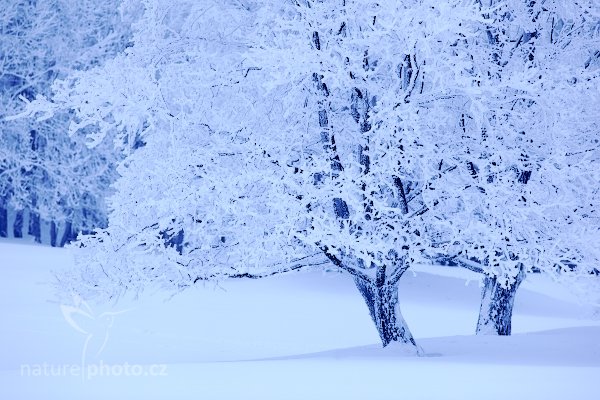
x,y
419,191
398,272
237,275
338,263
292,268
457,261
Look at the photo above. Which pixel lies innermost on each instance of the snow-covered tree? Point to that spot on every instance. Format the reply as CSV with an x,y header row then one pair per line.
x,y
253,166
285,135
525,191
44,173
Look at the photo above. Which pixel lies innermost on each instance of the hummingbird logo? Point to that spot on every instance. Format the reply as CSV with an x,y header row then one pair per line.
x,y
96,328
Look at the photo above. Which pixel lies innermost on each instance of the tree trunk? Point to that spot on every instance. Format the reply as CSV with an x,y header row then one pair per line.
x,y
3,222
382,301
495,313
67,235
18,224
35,226
53,233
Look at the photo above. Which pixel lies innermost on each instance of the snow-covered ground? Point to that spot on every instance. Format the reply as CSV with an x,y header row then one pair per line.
x,y
300,336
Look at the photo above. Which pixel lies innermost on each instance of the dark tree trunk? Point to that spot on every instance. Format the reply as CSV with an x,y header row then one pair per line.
x,y
53,234
384,308
3,222
18,225
495,313
35,227
67,235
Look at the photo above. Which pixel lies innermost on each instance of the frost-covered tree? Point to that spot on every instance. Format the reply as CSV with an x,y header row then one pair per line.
x,y
526,194
45,174
286,135
254,166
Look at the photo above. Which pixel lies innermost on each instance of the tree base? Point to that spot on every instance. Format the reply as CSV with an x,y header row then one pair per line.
x,y
384,308
495,313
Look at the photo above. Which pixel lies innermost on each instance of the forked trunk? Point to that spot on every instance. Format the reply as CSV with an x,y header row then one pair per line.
x,y
384,308
495,313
